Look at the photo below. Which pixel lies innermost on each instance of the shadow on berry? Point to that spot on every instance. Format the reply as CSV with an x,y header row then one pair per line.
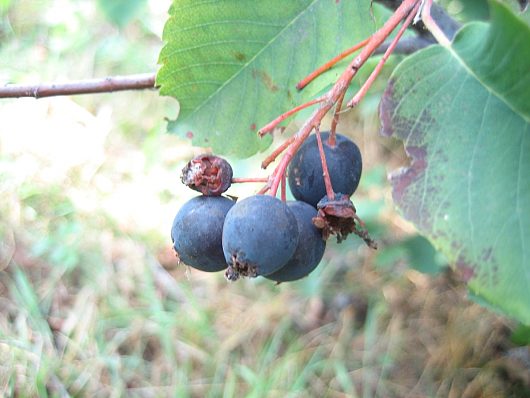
x,y
309,250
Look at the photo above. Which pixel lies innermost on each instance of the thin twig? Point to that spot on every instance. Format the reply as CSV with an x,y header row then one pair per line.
x,y
368,83
249,179
325,172
335,121
284,189
272,125
339,87
272,157
328,65
264,190
89,86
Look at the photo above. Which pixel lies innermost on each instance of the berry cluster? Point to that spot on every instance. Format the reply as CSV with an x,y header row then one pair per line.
x,y
262,235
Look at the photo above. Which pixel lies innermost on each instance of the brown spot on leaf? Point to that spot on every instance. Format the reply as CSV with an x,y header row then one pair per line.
x,y
486,254
266,79
253,127
404,178
240,56
386,109
465,271
412,128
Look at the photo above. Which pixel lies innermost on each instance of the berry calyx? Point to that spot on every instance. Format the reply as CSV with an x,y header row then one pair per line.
x,y
339,217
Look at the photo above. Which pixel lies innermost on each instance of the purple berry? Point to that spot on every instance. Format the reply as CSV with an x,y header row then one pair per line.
x,y
260,235
197,232
310,247
305,170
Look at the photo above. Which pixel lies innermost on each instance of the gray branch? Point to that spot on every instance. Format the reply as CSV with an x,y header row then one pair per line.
x,y
89,86
407,45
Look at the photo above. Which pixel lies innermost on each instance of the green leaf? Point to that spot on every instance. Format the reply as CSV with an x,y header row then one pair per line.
x,y
120,12
473,10
416,251
463,113
521,335
233,65
422,256
4,6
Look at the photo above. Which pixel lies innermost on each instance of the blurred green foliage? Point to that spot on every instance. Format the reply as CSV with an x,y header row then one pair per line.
x,y
521,335
477,10
121,12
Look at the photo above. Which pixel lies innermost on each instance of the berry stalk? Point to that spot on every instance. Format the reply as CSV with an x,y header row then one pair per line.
x,y
335,121
284,189
368,83
249,179
272,125
277,152
325,172
340,87
328,65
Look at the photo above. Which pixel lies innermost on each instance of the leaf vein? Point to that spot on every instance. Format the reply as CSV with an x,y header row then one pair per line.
x,y
228,22
210,44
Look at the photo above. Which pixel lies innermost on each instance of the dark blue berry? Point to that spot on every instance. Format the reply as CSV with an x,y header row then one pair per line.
x,y
310,247
197,232
260,235
305,170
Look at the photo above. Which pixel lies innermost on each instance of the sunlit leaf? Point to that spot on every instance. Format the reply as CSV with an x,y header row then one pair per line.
x,y
233,65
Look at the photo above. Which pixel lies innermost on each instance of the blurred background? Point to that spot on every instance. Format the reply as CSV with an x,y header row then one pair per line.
x,y
93,302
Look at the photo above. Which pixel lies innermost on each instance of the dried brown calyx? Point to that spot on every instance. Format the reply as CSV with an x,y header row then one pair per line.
x,y
338,217
208,174
240,268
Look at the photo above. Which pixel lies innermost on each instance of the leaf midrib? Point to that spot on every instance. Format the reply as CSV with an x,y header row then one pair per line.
x,y
454,53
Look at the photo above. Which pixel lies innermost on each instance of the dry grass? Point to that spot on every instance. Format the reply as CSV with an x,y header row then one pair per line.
x,y
130,327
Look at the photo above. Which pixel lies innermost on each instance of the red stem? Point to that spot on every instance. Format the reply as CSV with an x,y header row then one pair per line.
x,y
325,172
272,125
284,189
263,190
328,65
250,179
272,157
368,83
340,87
335,121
